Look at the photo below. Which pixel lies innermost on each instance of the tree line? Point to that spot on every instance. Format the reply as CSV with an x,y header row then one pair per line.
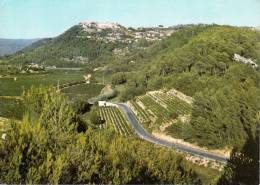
x,y
47,147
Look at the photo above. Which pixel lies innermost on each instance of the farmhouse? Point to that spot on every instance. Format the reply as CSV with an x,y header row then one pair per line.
x,y
106,104
32,68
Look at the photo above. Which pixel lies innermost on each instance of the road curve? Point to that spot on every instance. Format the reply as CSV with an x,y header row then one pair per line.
x,y
142,133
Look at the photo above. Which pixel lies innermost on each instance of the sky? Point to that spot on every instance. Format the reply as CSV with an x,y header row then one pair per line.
x,y
48,18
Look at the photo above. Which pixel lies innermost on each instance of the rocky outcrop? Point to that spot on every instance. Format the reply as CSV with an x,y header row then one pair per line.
x,y
244,60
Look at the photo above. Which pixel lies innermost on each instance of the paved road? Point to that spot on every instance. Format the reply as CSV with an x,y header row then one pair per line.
x,y
142,133
64,68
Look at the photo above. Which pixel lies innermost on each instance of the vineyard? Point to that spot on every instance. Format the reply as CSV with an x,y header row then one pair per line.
x,y
82,91
11,87
11,107
115,118
159,107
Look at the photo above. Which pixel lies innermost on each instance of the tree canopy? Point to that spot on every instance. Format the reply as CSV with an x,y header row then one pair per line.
x,y
47,148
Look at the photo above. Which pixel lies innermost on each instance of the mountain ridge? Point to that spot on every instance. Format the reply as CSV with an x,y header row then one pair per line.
x,y
10,46
92,41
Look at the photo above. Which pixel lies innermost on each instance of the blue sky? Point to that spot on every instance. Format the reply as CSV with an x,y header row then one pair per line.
x,y
48,18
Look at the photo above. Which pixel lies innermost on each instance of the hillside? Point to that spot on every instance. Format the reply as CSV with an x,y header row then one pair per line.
x,y
90,42
199,61
10,46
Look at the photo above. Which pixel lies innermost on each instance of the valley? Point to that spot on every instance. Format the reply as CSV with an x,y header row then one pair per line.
x,y
179,92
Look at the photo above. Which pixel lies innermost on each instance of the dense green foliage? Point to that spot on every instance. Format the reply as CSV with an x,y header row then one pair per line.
x,y
46,148
243,168
190,56
198,61
95,117
225,115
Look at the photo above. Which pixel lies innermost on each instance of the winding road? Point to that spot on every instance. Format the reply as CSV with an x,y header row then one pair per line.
x,y
142,133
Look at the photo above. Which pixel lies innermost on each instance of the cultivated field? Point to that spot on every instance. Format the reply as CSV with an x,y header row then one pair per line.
x,y
11,107
159,108
82,91
12,87
115,118
15,87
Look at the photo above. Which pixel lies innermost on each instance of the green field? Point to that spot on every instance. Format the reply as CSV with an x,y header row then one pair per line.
x,y
83,91
11,108
10,87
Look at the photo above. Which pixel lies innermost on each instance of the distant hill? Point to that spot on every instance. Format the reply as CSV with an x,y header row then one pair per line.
x,y
10,46
90,42
100,43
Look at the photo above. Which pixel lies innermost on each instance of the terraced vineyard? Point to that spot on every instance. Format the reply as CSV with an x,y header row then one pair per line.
x,y
142,114
172,103
114,117
159,107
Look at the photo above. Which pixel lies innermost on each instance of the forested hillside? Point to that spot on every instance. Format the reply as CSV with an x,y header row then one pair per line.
x,y
199,61
60,51
89,43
